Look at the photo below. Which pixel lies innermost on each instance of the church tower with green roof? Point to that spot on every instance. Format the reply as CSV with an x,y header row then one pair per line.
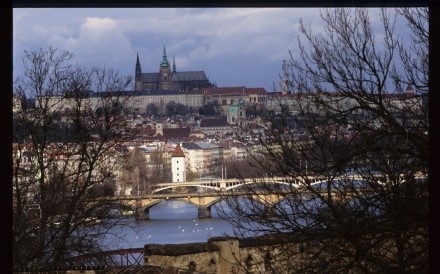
x,y
165,73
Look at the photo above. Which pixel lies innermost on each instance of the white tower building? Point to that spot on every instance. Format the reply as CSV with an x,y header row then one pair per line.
x,y
178,165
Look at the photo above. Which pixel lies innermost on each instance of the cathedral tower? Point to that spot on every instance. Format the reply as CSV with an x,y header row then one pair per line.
x,y
165,73
138,75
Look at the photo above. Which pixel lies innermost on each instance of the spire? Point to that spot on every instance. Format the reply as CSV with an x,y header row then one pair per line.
x,y
174,64
164,62
138,71
178,152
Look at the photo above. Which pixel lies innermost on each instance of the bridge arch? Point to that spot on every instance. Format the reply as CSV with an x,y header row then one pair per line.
x,y
256,182
142,208
213,202
158,190
185,200
154,202
348,179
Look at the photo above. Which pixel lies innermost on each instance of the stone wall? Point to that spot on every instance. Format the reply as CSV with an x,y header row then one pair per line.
x,y
219,255
201,257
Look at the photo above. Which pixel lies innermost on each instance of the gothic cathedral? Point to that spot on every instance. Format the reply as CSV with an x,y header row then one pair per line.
x,y
167,79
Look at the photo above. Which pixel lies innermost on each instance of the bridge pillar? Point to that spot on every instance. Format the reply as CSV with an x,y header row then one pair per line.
x,y
204,212
142,213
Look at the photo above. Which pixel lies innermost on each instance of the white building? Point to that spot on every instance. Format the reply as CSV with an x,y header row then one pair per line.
x,y
203,157
178,165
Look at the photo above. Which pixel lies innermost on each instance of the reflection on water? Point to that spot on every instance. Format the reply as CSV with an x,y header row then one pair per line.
x,y
170,222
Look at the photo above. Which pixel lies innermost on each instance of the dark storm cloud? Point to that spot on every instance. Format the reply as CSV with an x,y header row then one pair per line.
x,y
234,46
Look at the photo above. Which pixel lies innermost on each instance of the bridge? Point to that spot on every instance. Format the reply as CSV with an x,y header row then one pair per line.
x,y
214,191
226,184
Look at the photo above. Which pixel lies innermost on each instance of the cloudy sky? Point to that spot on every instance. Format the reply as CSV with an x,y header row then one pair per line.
x,y
234,46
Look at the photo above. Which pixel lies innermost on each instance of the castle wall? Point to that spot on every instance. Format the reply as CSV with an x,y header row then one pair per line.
x,y
205,262
219,255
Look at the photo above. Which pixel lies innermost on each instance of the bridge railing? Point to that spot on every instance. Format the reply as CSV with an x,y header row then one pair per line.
x,y
227,184
120,257
218,184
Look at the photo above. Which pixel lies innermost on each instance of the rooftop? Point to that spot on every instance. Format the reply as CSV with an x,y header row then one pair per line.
x,y
214,122
178,152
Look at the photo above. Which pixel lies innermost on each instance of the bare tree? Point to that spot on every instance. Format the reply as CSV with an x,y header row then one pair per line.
x,y
159,167
64,157
172,108
134,171
243,168
351,150
211,108
152,109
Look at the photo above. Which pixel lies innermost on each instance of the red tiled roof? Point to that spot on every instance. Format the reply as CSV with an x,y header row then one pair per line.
x,y
335,94
170,133
214,122
178,152
260,91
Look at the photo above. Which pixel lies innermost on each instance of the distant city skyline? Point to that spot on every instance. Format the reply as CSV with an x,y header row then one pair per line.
x,y
234,46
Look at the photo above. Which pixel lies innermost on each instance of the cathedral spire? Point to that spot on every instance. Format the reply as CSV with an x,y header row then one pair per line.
x,y
164,62
138,73
174,64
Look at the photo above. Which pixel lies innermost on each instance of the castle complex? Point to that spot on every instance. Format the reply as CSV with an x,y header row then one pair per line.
x,y
167,79
190,88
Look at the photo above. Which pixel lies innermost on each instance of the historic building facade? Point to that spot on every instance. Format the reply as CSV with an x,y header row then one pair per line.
x,y
190,88
169,79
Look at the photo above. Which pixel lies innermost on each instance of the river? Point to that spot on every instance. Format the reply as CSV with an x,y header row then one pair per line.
x,y
170,222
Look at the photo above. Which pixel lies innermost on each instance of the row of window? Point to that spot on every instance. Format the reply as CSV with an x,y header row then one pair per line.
x,y
231,101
